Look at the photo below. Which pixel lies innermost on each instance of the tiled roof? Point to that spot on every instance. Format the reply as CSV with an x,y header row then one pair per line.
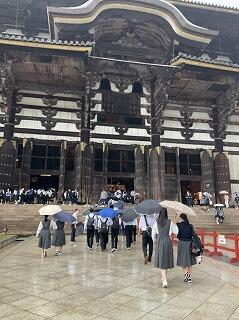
x,y
223,61
224,4
46,41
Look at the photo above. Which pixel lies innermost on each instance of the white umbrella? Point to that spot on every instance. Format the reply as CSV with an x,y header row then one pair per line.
x,y
223,192
50,210
178,206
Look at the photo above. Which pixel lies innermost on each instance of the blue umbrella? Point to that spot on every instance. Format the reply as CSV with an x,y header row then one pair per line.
x,y
108,213
64,217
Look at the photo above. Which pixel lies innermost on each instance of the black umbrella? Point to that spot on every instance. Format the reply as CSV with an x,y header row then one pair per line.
x,y
148,207
79,229
128,215
119,204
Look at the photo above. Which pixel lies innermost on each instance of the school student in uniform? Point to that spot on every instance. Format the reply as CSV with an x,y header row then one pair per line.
x,y
89,227
59,238
44,234
73,228
145,228
129,227
115,227
103,227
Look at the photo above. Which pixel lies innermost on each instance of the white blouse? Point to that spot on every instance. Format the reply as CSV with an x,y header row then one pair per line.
x,y
173,229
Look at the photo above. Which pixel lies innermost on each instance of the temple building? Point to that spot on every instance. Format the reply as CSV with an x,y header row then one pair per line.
x,y
141,92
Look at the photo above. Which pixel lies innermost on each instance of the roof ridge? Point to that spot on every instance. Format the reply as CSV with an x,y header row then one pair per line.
x,y
209,4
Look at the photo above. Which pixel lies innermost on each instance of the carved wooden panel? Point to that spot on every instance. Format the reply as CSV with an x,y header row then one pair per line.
x,y
207,183
7,163
26,164
139,171
62,169
222,173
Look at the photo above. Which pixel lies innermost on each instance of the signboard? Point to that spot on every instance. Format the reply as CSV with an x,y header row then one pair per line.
x,y
221,239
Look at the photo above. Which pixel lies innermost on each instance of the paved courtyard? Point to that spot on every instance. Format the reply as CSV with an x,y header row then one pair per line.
x,y
94,285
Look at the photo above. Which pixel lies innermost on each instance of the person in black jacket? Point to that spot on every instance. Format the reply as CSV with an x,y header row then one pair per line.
x,y
185,257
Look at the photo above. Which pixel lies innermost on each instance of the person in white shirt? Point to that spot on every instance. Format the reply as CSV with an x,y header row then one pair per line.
x,y
103,197
73,228
161,232
226,199
103,227
145,228
89,227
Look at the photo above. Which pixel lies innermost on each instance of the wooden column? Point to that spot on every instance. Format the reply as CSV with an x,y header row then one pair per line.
x,y
9,100
207,183
155,191
7,163
222,174
218,129
26,164
139,171
62,170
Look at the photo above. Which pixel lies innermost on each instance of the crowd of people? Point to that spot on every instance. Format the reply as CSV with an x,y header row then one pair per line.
x,y
156,231
29,196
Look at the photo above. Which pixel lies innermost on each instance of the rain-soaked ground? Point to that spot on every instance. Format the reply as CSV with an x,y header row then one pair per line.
x,y
99,285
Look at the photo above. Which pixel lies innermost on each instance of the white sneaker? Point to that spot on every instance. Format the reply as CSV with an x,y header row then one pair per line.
x,y
112,250
165,284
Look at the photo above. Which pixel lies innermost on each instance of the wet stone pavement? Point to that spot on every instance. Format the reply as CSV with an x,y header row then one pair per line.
x,y
84,285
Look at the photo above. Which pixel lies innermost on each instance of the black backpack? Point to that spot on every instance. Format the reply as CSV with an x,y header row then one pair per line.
x,y
197,247
90,223
115,224
103,226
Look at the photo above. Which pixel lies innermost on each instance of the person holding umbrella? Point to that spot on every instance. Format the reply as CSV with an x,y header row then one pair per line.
x,y
185,257
59,238
161,232
115,227
104,222
89,227
44,234
73,228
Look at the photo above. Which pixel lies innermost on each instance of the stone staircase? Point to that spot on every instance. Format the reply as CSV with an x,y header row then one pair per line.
x,y
24,219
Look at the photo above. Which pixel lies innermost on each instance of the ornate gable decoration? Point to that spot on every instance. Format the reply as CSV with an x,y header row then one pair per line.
x,y
87,13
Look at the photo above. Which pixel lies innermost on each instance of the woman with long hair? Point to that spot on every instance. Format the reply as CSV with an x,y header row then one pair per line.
x,y
185,257
59,238
162,230
44,234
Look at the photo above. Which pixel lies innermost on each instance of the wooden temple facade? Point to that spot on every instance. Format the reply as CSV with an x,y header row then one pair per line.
x,y
139,92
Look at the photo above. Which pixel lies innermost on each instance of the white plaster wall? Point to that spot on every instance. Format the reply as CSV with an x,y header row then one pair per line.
x,y
172,124
234,166
69,127
66,115
105,130
46,137
30,113
67,104
172,113
234,188
123,142
185,146
201,126
234,128
234,118
232,138
202,137
32,101
200,116
172,135
29,124
137,132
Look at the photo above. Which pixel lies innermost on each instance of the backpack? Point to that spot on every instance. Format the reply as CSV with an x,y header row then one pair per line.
x,y
103,226
115,224
197,247
90,223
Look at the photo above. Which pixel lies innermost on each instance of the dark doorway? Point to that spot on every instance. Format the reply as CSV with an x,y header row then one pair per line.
x,y
191,186
127,182
44,182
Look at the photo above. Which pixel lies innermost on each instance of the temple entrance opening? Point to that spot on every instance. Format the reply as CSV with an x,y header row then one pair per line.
x,y
122,183
44,182
193,187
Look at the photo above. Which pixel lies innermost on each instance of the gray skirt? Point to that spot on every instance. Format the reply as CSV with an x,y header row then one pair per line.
x,y
59,238
185,257
164,253
44,239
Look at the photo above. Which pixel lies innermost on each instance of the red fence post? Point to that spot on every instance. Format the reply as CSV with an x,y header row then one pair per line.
x,y
236,258
215,252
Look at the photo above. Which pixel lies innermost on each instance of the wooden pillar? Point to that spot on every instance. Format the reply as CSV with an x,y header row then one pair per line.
x,y
62,170
139,171
84,171
155,191
7,163
178,174
218,129
207,168
155,117
105,164
26,164
9,100
222,174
